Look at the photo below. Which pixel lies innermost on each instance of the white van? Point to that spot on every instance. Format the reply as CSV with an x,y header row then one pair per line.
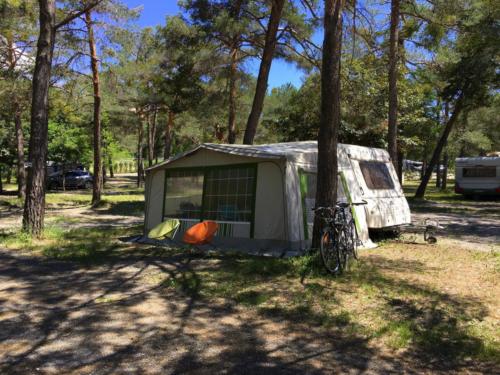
x,y
477,176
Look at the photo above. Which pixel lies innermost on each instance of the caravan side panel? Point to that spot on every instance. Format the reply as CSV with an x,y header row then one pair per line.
x,y
269,201
294,218
155,184
477,176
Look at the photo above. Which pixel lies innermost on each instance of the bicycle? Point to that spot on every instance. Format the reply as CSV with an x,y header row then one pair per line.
x,y
339,238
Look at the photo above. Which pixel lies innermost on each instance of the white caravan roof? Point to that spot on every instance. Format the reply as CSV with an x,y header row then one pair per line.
x,y
299,152
461,162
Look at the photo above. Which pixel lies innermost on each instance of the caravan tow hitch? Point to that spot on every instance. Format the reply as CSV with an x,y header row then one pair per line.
x,y
429,228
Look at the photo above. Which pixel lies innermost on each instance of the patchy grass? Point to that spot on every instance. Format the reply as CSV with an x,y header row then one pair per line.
x,y
122,204
432,300
116,201
432,192
86,245
19,240
428,301
393,298
445,202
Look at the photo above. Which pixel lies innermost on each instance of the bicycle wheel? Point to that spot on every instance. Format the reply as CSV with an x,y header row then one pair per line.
x,y
353,239
343,248
329,252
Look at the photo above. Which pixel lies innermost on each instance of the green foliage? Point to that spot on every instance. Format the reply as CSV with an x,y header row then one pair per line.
x,y
473,73
69,144
183,61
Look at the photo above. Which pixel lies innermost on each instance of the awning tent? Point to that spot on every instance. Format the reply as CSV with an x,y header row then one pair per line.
x,y
262,195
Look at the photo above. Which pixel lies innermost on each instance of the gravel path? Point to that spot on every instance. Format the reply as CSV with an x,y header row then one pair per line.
x,y
474,222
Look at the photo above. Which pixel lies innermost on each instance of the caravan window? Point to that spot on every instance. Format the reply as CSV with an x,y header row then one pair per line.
x,y
478,172
222,194
376,175
183,194
229,194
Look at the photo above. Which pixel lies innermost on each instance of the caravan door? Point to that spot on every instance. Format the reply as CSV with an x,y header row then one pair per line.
x,y
380,187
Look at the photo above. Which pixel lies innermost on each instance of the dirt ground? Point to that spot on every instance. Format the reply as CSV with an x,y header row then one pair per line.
x,y
81,215
472,222
67,318
62,318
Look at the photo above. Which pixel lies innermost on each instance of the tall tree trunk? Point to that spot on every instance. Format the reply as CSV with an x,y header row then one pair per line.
x,y
21,173
168,134
400,165
98,180
104,169
151,136
111,169
148,130
326,192
1,181
439,147
438,174
392,135
444,178
140,146
233,70
423,169
9,173
34,206
265,67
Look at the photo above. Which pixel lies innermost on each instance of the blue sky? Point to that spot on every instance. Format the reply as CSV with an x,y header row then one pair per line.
x,y
155,11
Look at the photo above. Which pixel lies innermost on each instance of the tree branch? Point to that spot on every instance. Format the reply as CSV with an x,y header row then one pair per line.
x,y
70,17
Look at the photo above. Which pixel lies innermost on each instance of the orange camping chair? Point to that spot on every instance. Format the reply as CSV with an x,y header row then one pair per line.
x,y
201,233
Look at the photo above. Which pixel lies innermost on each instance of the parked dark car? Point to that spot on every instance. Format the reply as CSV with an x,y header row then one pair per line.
x,y
72,180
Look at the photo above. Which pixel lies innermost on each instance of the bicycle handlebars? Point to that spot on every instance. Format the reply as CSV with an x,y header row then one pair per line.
x,y
340,205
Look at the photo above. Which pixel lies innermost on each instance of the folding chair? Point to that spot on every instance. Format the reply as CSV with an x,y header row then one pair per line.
x,y
167,229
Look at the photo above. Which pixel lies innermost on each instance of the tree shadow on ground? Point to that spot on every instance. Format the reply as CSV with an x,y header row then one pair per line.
x,y
108,318
125,208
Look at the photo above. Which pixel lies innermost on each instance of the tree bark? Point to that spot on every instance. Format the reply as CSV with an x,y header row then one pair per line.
x,y
21,172
9,173
233,70
151,128
400,165
168,134
111,169
438,174
140,161
104,169
148,140
326,191
34,206
265,67
444,178
392,135
97,186
439,147
1,181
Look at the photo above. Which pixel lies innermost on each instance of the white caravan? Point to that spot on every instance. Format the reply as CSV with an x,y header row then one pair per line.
x,y
262,195
477,176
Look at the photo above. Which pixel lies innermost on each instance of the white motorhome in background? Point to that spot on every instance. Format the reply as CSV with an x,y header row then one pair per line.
x,y
477,176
